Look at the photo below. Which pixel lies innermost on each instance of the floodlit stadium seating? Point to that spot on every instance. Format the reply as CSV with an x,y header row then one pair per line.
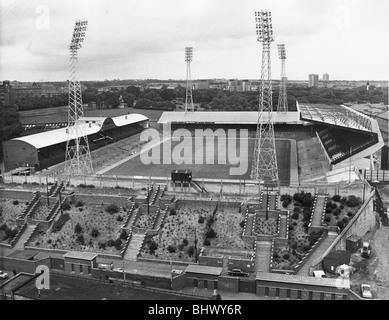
x,y
340,144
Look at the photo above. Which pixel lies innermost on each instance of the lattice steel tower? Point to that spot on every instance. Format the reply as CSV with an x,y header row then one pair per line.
x,y
189,97
264,166
282,99
78,158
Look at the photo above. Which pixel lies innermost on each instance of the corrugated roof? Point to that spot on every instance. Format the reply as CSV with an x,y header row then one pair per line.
x,y
48,138
326,282
216,271
231,117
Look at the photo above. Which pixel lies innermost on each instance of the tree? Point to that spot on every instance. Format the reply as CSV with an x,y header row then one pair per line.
x,y
123,235
80,238
190,251
153,246
171,249
78,228
95,233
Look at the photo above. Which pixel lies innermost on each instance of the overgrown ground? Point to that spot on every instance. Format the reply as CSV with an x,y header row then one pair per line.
x,y
85,228
9,211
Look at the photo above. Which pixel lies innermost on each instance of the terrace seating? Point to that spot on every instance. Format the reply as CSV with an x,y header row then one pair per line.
x,y
341,144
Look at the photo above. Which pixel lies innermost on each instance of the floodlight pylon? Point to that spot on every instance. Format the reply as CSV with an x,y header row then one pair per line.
x,y
78,160
264,166
282,98
189,86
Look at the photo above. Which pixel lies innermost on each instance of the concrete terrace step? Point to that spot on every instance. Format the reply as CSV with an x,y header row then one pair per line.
x,y
318,210
249,225
132,218
26,234
319,251
262,256
134,246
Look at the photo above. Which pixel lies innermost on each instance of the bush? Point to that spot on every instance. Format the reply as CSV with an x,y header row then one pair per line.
x,y
171,249
337,211
296,209
211,234
306,247
294,245
173,212
353,201
110,243
119,218
65,206
297,204
307,202
112,208
305,225
343,200
207,242
314,236
336,198
345,220
201,219
152,246
291,228
181,247
102,245
79,203
185,242
58,224
327,219
350,213
328,210
341,206
95,233
295,215
15,202
285,204
80,209
286,197
78,228
275,255
80,238
3,227
242,223
340,224
334,206
190,251
123,235
117,242
286,256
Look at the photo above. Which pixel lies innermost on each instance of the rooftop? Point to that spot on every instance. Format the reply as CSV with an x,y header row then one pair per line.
x,y
324,282
80,255
233,117
216,271
88,126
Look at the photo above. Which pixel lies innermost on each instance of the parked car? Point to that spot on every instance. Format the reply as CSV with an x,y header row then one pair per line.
x,y
319,274
237,272
366,250
3,275
177,271
366,291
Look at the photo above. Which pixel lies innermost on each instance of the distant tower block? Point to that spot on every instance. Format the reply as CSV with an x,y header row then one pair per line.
x,y
78,159
264,167
189,86
282,99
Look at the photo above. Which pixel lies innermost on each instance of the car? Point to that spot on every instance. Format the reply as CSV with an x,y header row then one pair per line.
x,y
3,275
118,269
319,274
237,272
366,250
366,291
177,271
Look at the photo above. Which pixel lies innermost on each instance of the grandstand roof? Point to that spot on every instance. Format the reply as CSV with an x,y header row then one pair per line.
x,y
230,117
87,126
341,116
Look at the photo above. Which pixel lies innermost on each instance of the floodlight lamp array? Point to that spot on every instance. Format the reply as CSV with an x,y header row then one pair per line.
x,y
78,34
264,26
281,51
188,53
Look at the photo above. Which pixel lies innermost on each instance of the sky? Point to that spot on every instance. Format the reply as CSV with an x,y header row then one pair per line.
x,y
146,39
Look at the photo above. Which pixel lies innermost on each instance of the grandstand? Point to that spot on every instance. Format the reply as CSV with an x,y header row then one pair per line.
x,y
46,149
344,135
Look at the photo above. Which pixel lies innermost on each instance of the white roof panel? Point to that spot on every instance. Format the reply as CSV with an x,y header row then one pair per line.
x,y
231,117
48,138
